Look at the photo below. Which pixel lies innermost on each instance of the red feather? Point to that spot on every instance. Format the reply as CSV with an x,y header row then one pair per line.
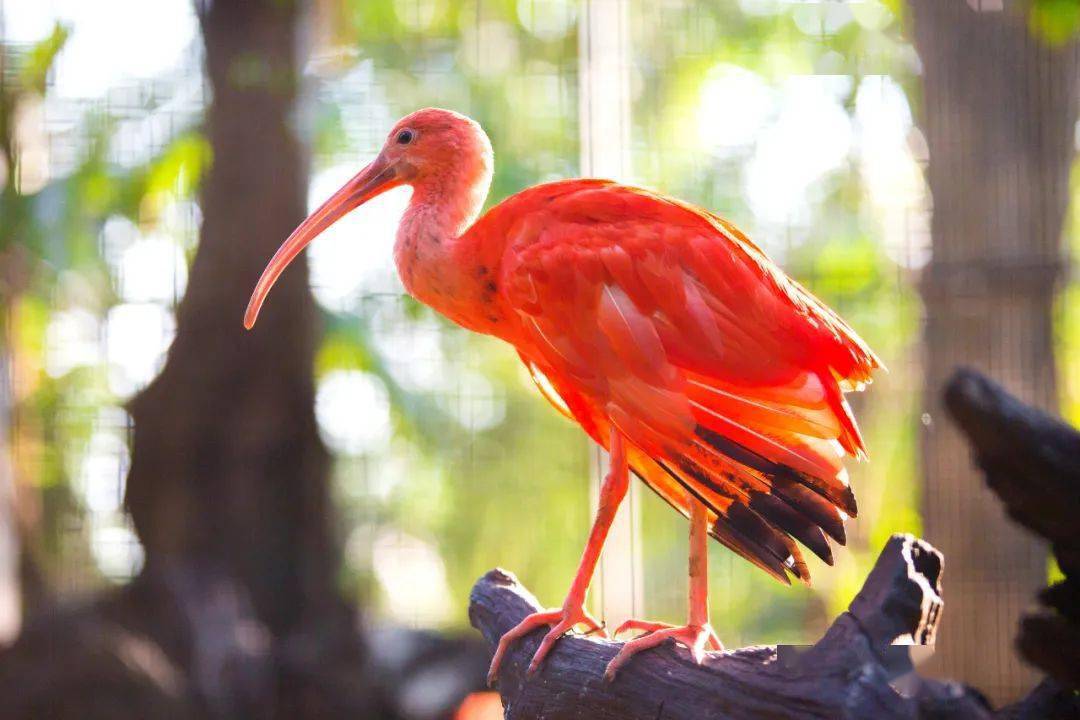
x,y
725,375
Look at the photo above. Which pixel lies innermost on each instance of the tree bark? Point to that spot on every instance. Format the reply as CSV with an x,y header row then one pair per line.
x,y
1031,460
854,672
999,111
227,464
845,675
228,487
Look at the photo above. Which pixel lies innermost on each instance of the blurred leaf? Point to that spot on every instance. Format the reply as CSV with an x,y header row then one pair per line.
x,y
180,167
1054,573
1056,21
30,317
846,267
39,60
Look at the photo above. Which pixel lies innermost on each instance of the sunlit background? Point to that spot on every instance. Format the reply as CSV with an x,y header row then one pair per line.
x,y
794,120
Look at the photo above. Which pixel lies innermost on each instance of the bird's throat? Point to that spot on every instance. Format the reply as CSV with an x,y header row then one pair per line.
x,y
445,266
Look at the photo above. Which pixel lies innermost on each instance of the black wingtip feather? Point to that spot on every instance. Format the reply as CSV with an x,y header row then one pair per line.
x,y
731,539
775,510
807,502
799,507
791,521
745,532
843,497
766,536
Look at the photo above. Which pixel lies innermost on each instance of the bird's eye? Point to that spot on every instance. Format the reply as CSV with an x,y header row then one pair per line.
x,y
405,137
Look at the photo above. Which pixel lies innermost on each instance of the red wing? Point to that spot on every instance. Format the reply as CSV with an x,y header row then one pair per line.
x,y
722,372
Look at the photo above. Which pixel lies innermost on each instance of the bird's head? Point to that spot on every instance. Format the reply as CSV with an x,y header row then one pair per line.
x,y
440,153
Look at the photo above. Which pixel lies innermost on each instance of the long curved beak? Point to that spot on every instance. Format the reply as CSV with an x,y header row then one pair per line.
x,y
373,180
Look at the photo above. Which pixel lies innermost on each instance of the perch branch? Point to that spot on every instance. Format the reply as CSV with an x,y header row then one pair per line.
x,y
850,673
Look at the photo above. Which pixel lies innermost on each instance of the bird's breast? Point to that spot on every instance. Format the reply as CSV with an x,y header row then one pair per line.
x,y
461,288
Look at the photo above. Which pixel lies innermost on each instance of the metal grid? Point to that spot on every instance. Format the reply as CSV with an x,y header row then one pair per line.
x,y
454,463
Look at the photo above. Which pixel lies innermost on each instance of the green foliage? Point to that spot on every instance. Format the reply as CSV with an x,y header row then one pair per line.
x,y
52,268
176,171
1056,21
39,61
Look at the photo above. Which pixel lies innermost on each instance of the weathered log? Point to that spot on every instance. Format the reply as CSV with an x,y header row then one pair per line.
x,y
1032,461
854,671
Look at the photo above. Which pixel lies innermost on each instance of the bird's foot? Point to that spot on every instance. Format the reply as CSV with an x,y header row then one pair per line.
x,y
560,620
694,637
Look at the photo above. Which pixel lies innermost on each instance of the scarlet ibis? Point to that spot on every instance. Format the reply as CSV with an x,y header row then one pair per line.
x,y
665,333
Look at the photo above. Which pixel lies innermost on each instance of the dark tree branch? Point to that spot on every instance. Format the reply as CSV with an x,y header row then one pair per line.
x,y
1032,461
854,671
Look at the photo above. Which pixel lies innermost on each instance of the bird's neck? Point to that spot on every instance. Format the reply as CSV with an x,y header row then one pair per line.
x,y
442,263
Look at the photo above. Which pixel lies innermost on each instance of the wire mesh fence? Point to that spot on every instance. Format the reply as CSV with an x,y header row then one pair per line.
x,y
795,120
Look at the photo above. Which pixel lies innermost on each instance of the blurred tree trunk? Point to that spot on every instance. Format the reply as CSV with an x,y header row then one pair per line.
x,y
227,463
999,111
236,612
228,486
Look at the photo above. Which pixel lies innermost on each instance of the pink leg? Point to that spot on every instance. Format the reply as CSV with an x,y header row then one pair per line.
x,y
573,611
697,632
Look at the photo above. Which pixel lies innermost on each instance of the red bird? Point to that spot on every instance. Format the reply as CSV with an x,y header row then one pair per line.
x,y
668,336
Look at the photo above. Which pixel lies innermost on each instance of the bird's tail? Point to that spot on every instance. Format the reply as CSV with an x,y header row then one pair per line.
x,y
766,462
769,469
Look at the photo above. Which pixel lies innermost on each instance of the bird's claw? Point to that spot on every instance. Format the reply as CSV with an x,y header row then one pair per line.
x,y
561,621
694,637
